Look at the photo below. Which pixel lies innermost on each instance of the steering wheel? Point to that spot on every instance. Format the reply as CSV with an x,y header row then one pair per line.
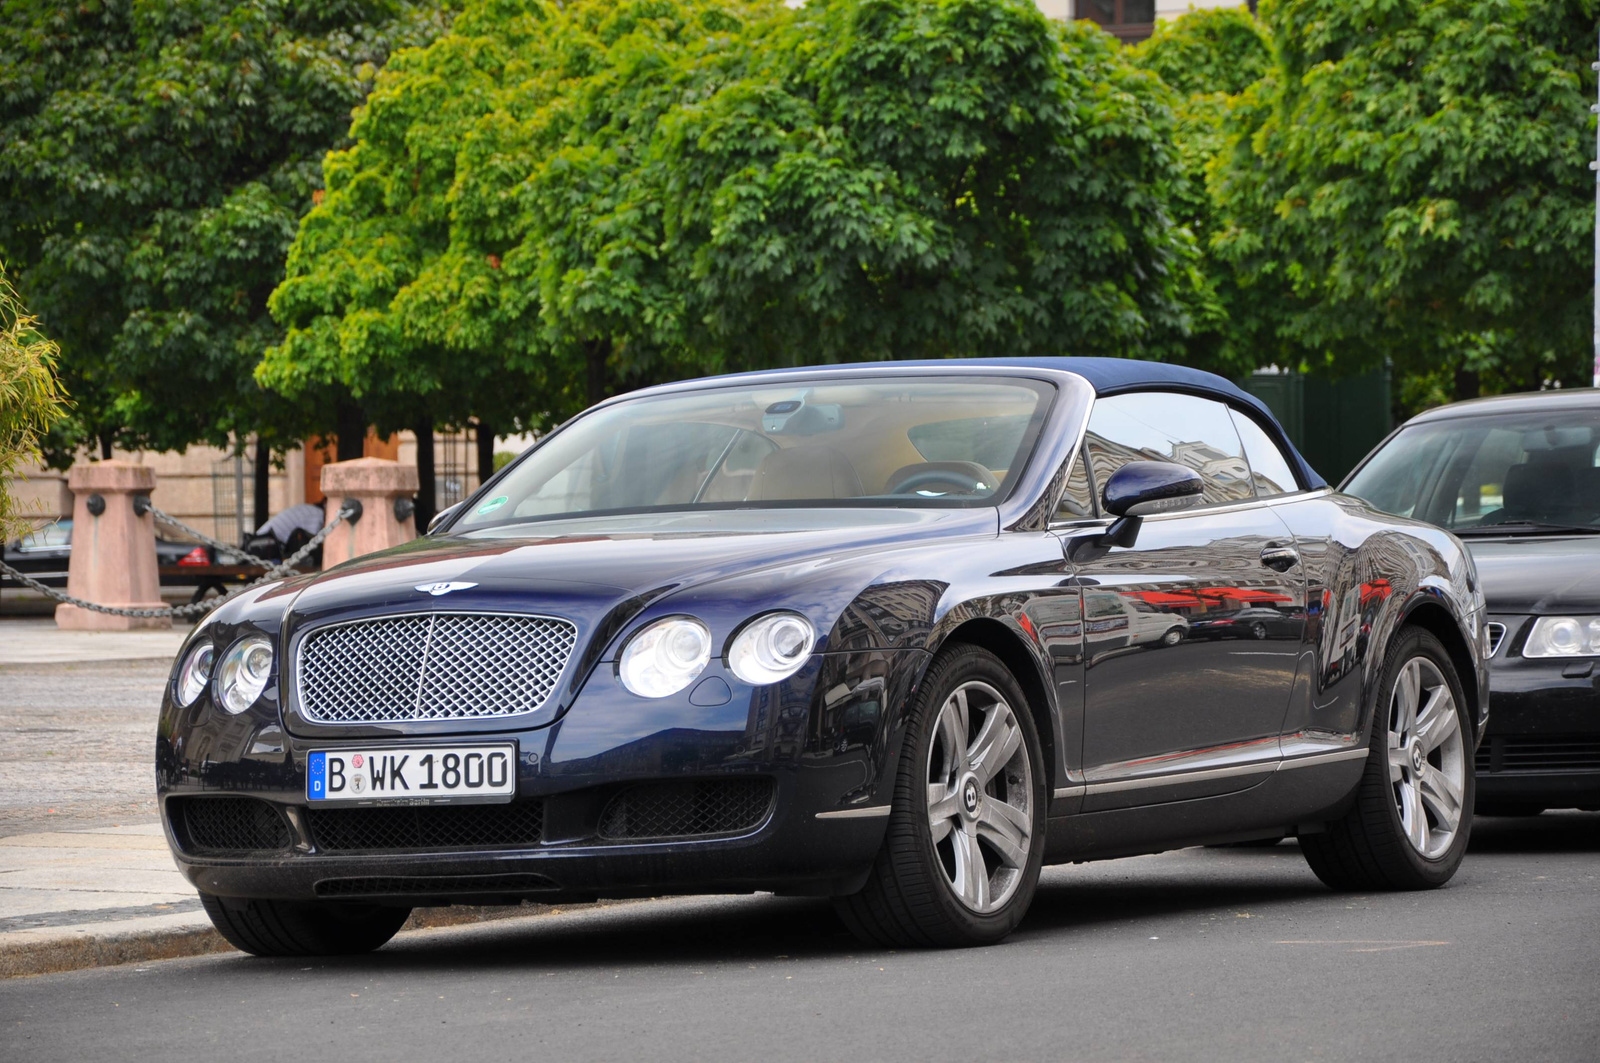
x,y
959,482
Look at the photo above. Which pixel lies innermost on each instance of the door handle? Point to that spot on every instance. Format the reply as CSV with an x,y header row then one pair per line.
x,y
1280,558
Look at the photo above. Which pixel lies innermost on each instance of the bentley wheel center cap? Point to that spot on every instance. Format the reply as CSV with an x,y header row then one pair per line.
x,y
1417,758
970,796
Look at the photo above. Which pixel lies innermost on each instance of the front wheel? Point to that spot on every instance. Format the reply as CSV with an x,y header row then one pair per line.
x,y
302,928
960,860
1408,828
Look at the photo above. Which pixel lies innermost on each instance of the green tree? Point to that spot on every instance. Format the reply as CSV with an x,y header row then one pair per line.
x,y
158,157
554,201
1208,58
31,399
1411,175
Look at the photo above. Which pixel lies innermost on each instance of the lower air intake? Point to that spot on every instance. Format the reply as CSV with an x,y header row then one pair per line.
x,y
687,809
512,826
230,824
434,886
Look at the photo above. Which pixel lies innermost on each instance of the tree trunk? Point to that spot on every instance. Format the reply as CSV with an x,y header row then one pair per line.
x,y
595,353
105,446
1466,384
352,430
263,471
485,437
427,491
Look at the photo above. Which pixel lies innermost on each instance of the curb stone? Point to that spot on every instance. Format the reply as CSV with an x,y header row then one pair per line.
x,y
59,950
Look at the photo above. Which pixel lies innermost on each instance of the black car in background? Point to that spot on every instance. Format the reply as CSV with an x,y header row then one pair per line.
x,y
1517,478
44,554
895,633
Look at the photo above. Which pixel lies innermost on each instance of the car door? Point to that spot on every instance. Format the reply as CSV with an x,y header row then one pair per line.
x,y
1185,716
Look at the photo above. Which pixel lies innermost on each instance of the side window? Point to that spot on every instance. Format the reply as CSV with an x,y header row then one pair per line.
x,y
1163,426
1271,471
1077,501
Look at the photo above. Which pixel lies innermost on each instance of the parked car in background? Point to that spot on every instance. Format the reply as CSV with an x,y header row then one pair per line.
x,y
43,554
1518,479
827,631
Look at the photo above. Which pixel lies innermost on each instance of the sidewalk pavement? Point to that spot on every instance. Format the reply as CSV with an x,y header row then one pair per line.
x,y
85,876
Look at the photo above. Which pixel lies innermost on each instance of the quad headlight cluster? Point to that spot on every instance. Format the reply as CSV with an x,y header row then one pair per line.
x,y
239,679
1564,636
666,656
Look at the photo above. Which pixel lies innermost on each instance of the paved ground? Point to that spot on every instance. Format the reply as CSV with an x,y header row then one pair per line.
x,y
1199,955
77,742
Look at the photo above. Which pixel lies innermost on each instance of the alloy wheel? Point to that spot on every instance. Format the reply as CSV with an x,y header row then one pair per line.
x,y
1427,757
980,787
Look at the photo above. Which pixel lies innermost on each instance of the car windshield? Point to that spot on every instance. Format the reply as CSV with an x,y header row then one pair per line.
x,y
885,442
1514,473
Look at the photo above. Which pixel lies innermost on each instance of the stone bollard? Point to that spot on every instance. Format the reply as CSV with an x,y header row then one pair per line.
x,y
385,490
113,548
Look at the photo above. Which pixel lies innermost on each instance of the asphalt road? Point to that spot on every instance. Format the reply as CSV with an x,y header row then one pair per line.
x,y
1231,954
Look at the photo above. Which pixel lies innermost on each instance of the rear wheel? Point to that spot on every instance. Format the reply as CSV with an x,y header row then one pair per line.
x,y
961,857
1408,828
302,928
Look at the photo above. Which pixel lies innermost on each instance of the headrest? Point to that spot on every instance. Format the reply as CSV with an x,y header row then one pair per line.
x,y
814,471
1533,491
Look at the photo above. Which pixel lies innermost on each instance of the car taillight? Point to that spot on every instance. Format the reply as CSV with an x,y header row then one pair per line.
x,y
197,556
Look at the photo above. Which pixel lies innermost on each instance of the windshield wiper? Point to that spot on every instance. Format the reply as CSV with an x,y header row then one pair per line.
x,y
1527,527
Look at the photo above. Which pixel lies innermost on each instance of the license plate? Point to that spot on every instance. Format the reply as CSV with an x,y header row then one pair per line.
x,y
415,774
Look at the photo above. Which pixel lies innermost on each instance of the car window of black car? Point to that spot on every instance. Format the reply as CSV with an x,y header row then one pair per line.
x,y
1271,471
1166,426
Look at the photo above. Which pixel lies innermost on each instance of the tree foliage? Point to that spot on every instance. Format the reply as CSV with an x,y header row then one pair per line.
x,y
1208,57
158,157
1411,176
553,201
31,399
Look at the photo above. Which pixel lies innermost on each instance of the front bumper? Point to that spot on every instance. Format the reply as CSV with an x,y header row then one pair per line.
x,y
803,764
1542,745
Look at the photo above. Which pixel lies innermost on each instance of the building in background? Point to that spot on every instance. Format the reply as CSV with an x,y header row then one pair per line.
x,y
1131,20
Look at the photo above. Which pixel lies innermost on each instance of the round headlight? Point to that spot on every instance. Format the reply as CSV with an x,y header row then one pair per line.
x,y
771,648
665,657
195,672
246,667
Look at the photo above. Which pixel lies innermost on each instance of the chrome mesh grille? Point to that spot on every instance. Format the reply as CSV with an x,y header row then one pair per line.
x,y
432,666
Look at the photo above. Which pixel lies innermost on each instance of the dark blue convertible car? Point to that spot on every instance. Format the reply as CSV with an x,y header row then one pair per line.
x,y
893,633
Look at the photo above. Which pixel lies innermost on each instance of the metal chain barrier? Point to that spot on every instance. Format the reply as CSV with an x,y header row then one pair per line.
x,y
275,570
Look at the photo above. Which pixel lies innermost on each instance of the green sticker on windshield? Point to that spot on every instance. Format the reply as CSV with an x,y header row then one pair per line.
x,y
493,504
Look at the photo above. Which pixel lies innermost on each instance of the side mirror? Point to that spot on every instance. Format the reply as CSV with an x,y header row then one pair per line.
x,y
1144,488
442,516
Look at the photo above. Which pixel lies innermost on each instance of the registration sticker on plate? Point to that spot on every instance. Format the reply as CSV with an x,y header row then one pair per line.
x,y
416,774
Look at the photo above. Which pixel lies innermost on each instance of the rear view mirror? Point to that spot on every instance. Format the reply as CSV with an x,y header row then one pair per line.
x,y
1145,488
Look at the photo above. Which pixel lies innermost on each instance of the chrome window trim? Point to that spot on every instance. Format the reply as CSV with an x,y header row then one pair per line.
x,y
874,812
297,704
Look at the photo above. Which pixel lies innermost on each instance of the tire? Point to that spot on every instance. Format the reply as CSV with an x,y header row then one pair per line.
x,y
1374,846
1258,630
302,928
919,892
1508,809
1173,637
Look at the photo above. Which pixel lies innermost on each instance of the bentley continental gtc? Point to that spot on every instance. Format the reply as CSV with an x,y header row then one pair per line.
x,y
896,634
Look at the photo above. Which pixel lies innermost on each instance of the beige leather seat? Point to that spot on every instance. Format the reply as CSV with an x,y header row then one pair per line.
x,y
814,471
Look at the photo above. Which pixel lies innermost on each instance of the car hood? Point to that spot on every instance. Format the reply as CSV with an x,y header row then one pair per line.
x,y
1539,574
599,572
